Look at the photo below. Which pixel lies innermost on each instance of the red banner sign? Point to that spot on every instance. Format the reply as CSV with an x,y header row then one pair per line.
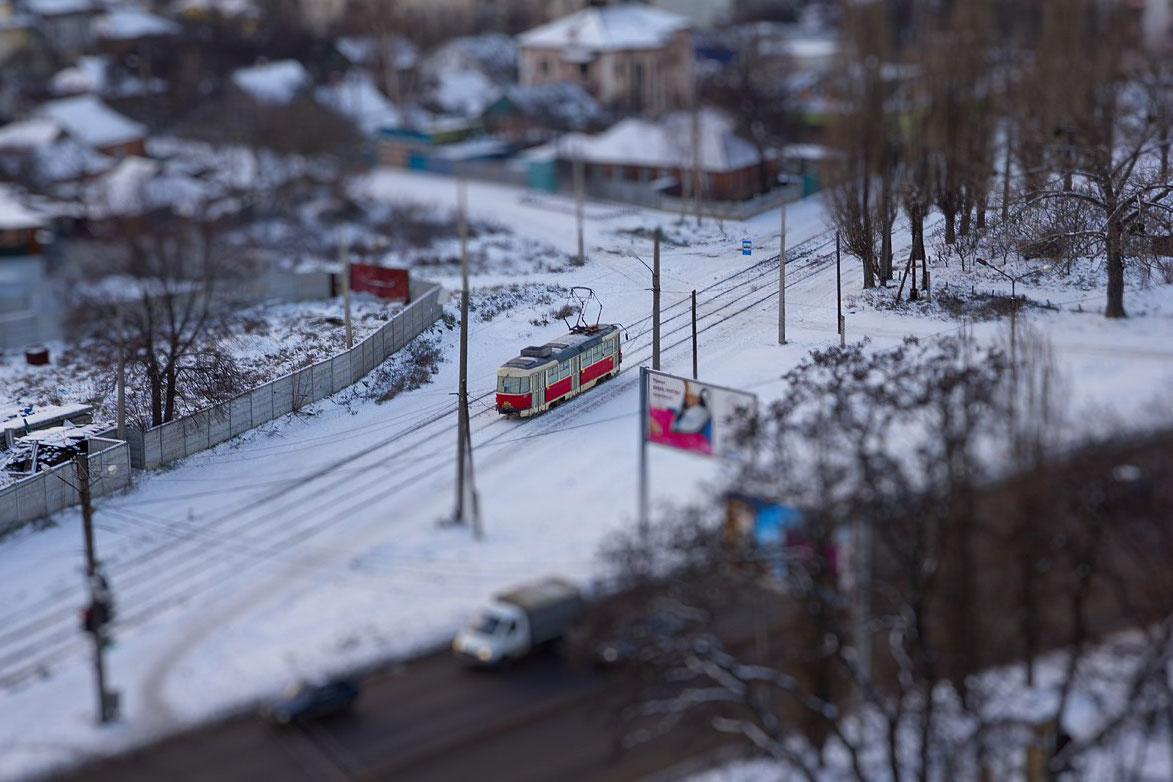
x,y
381,281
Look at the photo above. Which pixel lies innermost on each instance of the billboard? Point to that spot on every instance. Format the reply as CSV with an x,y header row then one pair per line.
x,y
693,416
379,280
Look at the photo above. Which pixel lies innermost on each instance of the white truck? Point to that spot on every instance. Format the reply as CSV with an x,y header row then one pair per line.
x,y
519,620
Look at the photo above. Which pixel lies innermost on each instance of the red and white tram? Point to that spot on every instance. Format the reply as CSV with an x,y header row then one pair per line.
x,y
546,376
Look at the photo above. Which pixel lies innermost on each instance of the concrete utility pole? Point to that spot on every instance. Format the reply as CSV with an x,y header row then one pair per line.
x,y
839,293
344,260
694,335
120,381
656,301
578,199
462,436
98,612
782,282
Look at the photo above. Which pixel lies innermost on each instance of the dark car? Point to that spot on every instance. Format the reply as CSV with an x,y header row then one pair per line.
x,y
304,702
639,638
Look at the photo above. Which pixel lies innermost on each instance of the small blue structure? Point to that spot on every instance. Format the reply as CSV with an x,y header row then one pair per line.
x,y
747,247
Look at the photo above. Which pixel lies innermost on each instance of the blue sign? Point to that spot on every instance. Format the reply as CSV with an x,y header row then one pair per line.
x,y
746,246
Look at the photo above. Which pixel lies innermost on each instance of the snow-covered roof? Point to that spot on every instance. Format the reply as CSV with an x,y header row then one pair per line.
x,y
608,28
58,7
357,97
274,82
88,75
66,159
92,122
127,24
15,214
466,92
665,144
29,134
365,50
138,185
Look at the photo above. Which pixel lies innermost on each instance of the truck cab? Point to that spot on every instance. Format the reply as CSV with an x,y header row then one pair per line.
x,y
498,633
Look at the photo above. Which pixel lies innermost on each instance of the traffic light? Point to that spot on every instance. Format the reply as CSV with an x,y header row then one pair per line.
x,y
96,616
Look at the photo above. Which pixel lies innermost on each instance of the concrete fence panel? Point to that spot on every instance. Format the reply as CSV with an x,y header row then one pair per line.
x,y
277,399
323,374
196,429
9,511
303,387
152,448
61,486
220,423
340,371
241,414
171,439
30,498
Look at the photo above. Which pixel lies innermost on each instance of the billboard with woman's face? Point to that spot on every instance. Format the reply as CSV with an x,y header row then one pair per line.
x,y
692,416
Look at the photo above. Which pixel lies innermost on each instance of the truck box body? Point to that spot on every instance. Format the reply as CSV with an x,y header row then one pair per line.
x,y
550,605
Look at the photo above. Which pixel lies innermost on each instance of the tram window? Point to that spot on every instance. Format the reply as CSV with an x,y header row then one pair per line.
x,y
513,385
552,376
608,348
564,370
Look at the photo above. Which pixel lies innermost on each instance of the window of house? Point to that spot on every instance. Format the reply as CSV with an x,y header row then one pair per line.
x,y
543,66
619,68
582,69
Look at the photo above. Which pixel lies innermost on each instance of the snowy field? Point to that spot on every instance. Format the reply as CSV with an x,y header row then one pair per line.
x,y
314,543
267,341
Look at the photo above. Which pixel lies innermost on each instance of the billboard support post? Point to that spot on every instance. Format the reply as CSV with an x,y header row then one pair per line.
x,y
643,451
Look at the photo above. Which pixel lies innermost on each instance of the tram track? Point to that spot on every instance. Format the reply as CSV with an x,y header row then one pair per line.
x,y
152,581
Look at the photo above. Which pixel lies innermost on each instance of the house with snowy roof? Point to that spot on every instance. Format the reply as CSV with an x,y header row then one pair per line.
x,y
272,82
661,156
66,25
92,123
629,56
14,30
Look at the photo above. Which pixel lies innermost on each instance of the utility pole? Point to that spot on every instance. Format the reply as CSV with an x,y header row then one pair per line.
x,y
344,260
839,292
98,612
578,198
912,292
462,437
643,451
121,379
782,281
696,152
477,530
694,335
656,301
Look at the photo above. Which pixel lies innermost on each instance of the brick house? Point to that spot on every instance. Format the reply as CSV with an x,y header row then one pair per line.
x,y
659,156
629,57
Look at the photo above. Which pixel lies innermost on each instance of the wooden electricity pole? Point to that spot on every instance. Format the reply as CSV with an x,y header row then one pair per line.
x,y
782,282
462,436
656,301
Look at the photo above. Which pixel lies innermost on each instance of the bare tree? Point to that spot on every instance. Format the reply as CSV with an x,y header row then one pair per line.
x,y
904,443
170,292
1109,195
